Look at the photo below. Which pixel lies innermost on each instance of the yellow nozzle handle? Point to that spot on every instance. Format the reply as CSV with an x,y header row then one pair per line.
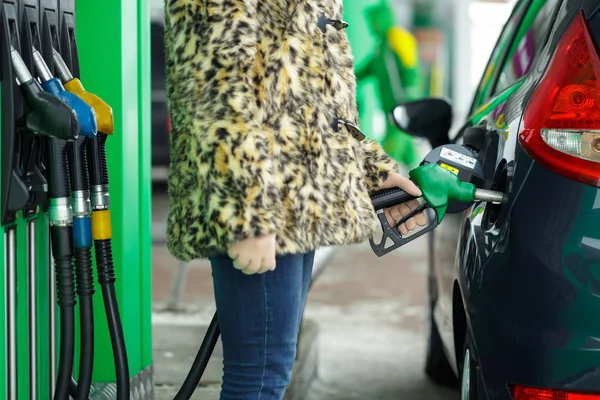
x,y
104,114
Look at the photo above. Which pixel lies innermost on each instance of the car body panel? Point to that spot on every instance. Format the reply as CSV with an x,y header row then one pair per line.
x,y
527,284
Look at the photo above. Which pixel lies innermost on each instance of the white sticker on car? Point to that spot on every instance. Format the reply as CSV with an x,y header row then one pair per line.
x,y
458,158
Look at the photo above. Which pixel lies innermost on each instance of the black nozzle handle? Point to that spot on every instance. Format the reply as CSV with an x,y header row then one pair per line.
x,y
49,115
390,197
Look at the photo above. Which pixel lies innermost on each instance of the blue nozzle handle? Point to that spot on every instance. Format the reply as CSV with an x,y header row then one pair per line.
x,y
86,116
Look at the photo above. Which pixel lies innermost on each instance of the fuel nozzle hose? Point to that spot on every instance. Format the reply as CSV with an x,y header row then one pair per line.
x,y
95,148
201,361
82,236
67,232
102,235
82,242
61,235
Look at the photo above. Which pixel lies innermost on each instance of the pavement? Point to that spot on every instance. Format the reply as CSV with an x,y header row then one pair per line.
x,y
363,331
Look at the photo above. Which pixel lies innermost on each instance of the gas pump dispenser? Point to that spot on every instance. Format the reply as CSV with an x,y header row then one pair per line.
x,y
27,114
54,207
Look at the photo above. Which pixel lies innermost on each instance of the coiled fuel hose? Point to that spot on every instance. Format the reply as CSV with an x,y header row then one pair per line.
x,y
61,220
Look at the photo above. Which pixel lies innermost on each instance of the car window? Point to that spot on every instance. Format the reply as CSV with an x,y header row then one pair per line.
x,y
504,40
530,38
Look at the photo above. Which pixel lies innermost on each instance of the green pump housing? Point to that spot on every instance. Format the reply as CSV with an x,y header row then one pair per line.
x,y
440,186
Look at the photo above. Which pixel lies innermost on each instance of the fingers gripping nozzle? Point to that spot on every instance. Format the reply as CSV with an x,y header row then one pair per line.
x,y
86,116
49,115
389,198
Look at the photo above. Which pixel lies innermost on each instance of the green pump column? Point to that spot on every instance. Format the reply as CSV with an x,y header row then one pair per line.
x,y
394,63
362,40
113,38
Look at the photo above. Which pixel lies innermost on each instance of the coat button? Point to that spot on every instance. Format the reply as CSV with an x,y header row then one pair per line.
x,y
352,128
336,23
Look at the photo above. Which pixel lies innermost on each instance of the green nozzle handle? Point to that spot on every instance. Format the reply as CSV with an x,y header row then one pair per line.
x,y
440,186
49,116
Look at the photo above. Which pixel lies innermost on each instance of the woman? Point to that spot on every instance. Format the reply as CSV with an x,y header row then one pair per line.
x,y
265,167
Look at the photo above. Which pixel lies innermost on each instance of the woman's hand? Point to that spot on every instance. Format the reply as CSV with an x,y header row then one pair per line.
x,y
396,213
254,255
395,180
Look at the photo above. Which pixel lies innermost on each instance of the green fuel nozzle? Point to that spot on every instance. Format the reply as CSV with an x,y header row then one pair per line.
x,y
440,186
440,183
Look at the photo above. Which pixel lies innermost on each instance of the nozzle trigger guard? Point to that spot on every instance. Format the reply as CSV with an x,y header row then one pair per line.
x,y
392,233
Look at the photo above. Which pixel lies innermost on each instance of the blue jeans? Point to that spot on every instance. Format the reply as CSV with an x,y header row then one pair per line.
x,y
259,318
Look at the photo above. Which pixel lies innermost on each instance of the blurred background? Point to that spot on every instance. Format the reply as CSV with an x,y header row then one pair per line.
x,y
368,312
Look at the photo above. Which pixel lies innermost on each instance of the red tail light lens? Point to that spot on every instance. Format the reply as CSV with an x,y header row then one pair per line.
x,y
561,125
528,393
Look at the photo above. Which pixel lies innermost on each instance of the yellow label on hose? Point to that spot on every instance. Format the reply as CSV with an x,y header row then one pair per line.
x,y
449,168
101,227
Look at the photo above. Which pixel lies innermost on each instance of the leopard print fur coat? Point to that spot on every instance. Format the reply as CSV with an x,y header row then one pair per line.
x,y
256,90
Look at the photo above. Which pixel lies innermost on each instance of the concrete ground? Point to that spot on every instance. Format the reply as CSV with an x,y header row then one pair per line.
x,y
370,314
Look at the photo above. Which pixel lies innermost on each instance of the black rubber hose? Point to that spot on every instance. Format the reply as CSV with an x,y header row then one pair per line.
x,y
73,386
82,147
106,278
102,155
78,178
85,291
59,185
62,252
201,361
94,164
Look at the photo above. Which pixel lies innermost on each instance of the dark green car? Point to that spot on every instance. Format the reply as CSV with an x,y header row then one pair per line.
x,y
515,288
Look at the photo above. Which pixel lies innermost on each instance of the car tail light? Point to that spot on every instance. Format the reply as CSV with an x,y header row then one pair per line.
x,y
561,124
529,393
